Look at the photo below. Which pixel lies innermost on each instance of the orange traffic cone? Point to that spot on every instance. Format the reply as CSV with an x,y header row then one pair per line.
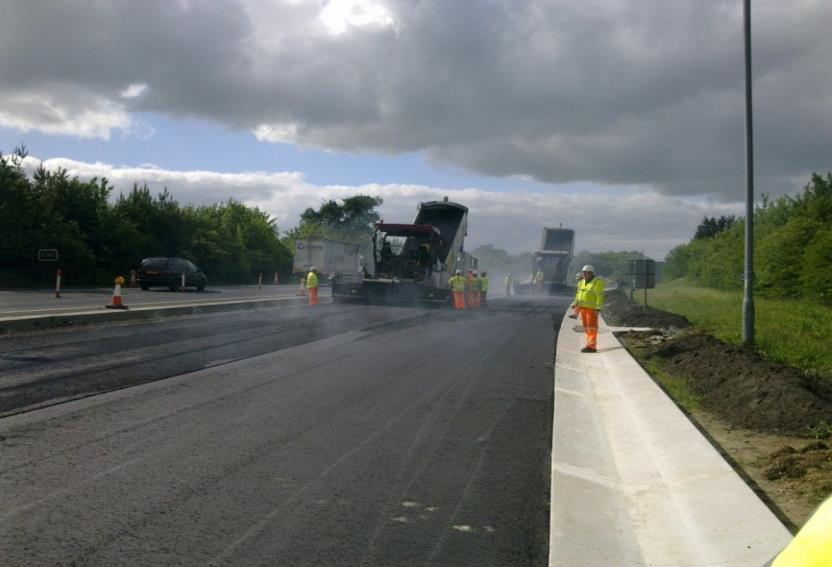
x,y
116,302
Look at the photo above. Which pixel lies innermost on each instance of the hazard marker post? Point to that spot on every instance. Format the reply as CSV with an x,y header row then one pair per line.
x,y
58,283
276,278
116,302
259,281
183,282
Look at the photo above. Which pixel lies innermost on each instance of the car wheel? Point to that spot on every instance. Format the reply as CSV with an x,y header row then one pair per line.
x,y
200,286
145,287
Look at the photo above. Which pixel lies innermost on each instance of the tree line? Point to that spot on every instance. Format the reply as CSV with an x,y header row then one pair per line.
x,y
98,238
792,247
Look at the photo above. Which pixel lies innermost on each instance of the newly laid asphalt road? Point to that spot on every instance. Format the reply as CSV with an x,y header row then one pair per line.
x,y
336,435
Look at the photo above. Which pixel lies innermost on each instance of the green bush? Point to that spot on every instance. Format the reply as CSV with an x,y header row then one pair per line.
x,y
792,253
780,257
816,269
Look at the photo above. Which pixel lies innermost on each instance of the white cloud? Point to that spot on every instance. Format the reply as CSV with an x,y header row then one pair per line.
x,y
277,133
340,15
80,114
608,220
134,90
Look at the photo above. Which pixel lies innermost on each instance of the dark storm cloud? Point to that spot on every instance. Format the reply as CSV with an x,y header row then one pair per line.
x,y
613,92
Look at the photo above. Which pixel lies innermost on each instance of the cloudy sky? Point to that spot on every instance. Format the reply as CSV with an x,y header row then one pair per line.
x,y
622,119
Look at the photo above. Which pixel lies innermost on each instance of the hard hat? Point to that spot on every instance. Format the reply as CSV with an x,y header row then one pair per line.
x,y
312,268
458,272
588,268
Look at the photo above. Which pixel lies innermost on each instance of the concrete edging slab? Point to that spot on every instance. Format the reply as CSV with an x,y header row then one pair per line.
x,y
633,481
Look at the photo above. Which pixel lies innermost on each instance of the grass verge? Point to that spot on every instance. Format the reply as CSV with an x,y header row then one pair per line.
x,y
794,332
675,386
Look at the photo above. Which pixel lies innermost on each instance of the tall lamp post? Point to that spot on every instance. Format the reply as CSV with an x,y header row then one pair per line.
x,y
748,293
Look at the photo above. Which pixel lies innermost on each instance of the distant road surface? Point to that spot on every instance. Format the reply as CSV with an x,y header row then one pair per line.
x,y
336,435
43,302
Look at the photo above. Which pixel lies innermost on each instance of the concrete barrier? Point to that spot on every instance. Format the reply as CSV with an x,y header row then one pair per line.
x,y
633,481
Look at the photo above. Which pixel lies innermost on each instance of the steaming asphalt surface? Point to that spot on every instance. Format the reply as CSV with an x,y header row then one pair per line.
x,y
343,434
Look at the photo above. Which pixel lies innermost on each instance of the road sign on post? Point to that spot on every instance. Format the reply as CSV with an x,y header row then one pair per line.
x,y
643,275
47,255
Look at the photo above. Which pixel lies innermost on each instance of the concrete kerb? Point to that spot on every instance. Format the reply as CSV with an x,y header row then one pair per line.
x,y
103,315
633,481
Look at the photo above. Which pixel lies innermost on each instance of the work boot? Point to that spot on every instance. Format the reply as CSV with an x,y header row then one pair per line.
x,y
588,349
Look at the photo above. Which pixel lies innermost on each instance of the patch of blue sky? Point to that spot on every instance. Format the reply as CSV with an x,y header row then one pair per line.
x,y
192,144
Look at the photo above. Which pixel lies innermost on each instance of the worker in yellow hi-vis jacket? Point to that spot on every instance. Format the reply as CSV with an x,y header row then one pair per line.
x,y
312,285
457,285
483,290
590,300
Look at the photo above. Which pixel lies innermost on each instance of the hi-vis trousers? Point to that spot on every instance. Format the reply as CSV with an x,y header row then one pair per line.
x,y
589,319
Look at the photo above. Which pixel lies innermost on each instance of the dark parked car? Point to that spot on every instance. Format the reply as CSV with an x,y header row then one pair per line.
x,y
168,272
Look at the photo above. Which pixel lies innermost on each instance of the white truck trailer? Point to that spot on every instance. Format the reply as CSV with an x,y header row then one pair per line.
x,y
331,258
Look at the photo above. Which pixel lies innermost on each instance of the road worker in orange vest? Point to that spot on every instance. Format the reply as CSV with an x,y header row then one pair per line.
x,y
469,286
475,290
457,285
590,300
312,285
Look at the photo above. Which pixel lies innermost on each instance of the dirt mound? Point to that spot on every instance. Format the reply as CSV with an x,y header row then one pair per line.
x,y
739,386
620,311
806,471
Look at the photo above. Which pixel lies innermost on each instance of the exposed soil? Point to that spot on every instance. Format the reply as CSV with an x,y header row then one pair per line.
x,y
736,384
769,419
619,310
